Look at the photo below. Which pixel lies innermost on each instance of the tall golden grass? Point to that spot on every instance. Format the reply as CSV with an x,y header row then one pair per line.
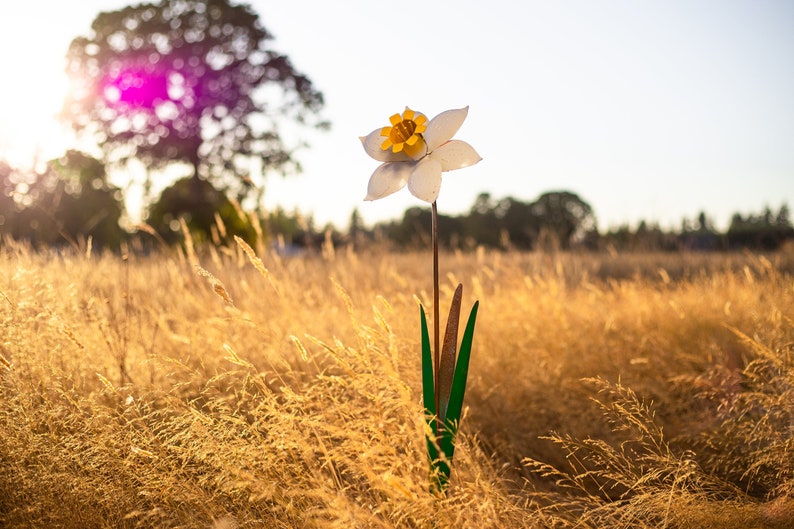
x,y
223,388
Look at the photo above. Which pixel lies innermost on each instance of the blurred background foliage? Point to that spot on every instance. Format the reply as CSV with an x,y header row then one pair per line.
x,y
72,201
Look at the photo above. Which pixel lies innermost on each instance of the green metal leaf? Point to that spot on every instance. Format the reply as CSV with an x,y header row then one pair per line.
x,y
448,349
428,394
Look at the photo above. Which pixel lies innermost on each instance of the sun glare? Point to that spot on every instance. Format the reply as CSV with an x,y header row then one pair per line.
x,y
29,130
30,98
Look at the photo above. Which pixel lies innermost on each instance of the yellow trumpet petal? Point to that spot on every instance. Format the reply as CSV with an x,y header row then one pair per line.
x,y
405,129
416,150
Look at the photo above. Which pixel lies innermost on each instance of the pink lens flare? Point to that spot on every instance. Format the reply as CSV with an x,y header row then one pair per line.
x,y
137,88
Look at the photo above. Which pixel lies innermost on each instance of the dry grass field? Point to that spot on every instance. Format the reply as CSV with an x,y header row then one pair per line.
x,y
605,391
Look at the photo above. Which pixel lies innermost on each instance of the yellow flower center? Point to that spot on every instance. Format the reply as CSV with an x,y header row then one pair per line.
x,y
405,133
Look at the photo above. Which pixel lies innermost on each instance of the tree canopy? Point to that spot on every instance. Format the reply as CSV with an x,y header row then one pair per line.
x,y
190,81
564,216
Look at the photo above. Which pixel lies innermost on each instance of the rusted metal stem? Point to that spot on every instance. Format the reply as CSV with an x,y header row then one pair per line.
x,y
436,340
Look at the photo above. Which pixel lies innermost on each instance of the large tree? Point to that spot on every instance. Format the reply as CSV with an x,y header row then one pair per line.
x,y
564,217
190,81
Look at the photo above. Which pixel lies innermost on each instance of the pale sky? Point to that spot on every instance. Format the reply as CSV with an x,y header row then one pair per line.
x,y
650,110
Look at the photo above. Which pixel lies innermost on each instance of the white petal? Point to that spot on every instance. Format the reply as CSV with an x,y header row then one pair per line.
x,y
388,178
372,143
441,128
425,180
455,154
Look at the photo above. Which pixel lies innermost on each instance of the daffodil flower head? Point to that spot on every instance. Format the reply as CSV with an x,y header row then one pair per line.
x,y
415,151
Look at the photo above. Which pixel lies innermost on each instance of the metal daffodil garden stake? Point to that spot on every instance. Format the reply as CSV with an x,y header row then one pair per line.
x,y
415,151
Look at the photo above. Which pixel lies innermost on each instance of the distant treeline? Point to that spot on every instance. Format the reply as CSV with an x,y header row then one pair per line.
x,y
765,230
562,220
72,203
